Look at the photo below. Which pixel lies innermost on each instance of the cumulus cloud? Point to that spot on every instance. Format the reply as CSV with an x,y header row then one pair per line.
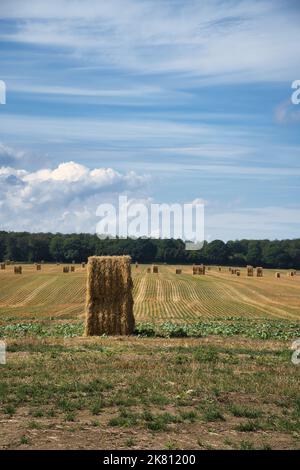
x,y
11,156
60,199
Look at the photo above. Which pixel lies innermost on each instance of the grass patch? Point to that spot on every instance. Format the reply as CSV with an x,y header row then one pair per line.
x,y
249,426
9,410
258,328
212,414
241,411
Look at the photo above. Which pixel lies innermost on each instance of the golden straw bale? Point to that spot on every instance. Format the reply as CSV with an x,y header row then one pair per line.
x,y
259,272
109,301
250,271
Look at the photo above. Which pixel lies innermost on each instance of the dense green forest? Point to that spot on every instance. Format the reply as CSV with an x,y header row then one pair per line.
x,y
48,247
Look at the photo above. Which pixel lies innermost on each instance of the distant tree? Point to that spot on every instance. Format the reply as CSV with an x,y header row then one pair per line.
x,y
56,248
270,254
38,249
2,246
72,249
32,247
253,256
217,252
143,251
11,249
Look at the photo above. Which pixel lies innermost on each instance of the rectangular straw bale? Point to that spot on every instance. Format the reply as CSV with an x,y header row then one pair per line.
x,y
259,272
199,269
38,267
109,301
178,271
2,265
155,269
250,271
66,269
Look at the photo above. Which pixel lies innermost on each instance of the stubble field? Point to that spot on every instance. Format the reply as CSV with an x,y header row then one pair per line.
x,y
165,296
209,367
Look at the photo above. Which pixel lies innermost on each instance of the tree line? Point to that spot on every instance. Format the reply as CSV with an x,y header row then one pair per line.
x,y
65,248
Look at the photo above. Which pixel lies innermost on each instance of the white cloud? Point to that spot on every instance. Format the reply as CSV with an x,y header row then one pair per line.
x,y
67,129
224,41
61,199
11,156
133,92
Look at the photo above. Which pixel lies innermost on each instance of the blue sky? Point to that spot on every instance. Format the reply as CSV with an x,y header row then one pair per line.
x,y
164,100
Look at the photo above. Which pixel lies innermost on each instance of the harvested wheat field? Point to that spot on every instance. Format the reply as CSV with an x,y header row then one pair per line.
x,y
167,296
209,365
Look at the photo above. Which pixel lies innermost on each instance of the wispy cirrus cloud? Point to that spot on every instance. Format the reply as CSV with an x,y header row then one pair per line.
x,y
226,41
132,92
184,90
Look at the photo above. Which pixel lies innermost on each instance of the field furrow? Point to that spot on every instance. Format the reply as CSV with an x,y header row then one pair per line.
x,y
157,297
